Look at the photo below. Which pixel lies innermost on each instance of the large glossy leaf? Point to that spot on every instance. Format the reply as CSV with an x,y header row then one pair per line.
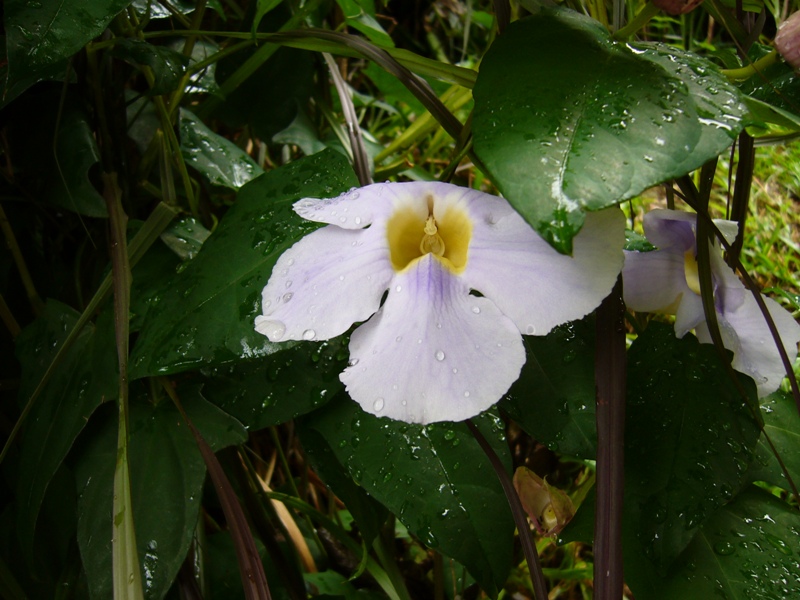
x,y
204,316
689,434
279,387
746,550
782,425
86,377
47,32
219,159
553,400
166,64
435,478
167,474
567,120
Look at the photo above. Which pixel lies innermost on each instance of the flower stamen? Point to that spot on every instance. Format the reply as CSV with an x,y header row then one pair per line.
x,y
431,242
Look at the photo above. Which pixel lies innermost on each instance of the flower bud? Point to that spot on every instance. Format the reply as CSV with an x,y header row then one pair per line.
x,y
787,41
677,7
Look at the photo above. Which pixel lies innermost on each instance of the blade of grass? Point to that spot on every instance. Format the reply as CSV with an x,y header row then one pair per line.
x,y
127,576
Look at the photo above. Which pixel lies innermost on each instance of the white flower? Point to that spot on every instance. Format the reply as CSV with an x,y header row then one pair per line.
x,y
465,276
666,281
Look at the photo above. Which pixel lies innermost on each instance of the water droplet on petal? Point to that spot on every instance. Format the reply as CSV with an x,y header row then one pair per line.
x,y
284,271
274,330
399,288
358,220
287,296
341,277
309,334
342,219
399,338
378,405
403,402
290,262
466,394
439,355
476,310
288,284
352,362
455,370
530,329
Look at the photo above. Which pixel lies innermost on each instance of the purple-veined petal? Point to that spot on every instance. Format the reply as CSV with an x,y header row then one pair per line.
x,y
323,284
745,333
654,281
674,229
531,283
433,352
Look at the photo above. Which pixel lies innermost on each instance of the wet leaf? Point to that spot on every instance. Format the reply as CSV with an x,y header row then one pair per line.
x,y
167,474
167,65
220,160
86,377
360,15
435,478
44,33
279,387
689,438
185,237
553,400
782,425
595,123
204,315
747,549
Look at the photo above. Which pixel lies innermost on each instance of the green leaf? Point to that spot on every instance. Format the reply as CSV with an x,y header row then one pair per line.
x,y
76,152
86,377
782,425
553,400
262,8
689,438
153,9
360,14
185,237
167,474
435,478
279,387
219,159
44,33
596,122
204,316
746,550
168,66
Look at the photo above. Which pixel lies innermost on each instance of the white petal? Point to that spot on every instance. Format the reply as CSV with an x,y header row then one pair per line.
x,y
690,313
756,354
728,229
433,352
323,284
529,281
373,203
654,281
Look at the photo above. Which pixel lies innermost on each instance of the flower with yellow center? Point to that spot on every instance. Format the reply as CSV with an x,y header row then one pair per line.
x,y
447,279
667,281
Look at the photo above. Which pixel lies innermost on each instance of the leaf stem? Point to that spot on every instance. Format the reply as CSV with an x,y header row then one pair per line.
x,y
520,518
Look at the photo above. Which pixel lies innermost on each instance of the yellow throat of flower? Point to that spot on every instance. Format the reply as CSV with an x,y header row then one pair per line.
x,y
410,238
690,271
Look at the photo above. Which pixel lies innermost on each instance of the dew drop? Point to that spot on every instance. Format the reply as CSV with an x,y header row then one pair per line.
x,y
342,219
358,220
284,271
399,338
287,296
439,355
394,387
290,262
341,277
455,370
274,330
309,334
352,362
399,288
466,394
403,402
419,341
476,310
288,284
438,326
530,329
378,405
